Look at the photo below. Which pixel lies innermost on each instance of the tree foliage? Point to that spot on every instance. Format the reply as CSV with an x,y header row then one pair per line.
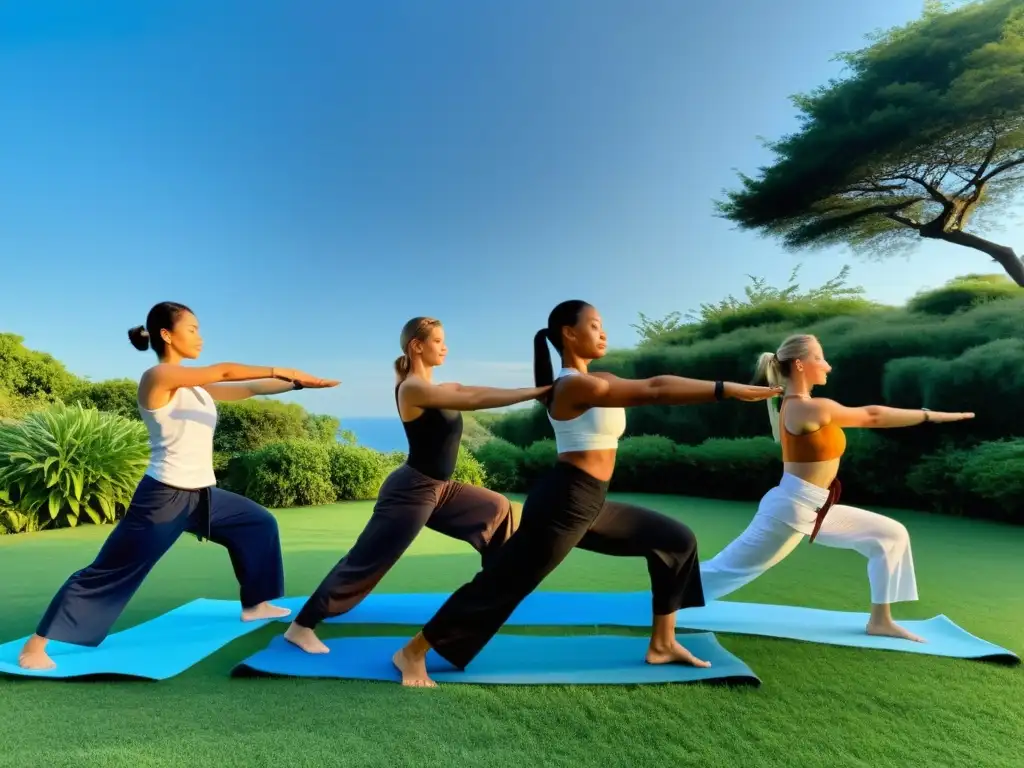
x,y
758,293
924,135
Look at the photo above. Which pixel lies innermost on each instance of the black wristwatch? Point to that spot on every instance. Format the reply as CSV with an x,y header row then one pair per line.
x,y
719,390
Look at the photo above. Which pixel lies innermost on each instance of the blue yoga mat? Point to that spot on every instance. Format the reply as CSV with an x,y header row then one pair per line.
x,y
508,660
633,609
154,650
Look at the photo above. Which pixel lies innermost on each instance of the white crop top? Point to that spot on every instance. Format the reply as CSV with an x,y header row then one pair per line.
x,y
593,430
181,439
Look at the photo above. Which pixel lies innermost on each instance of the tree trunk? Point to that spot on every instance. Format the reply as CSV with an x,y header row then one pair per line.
x,y
1005,255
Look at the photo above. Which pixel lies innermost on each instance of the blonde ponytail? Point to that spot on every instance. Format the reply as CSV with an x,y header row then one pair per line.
x,y
402,367
773,369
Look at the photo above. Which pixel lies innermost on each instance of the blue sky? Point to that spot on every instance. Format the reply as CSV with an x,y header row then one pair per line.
x,y
308,175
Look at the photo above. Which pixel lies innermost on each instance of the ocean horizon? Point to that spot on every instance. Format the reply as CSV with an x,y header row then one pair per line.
x,y
381,433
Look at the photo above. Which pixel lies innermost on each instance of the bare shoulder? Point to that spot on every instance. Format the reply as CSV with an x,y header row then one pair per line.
x,y
813,412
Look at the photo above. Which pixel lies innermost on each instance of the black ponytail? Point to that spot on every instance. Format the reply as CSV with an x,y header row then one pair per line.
x,y
162,316
543,374
565,314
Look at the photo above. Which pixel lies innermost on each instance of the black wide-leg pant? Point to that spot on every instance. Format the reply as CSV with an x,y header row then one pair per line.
x,y
566,509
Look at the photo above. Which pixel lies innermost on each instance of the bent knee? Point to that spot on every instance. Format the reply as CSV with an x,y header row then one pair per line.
x,y
892,538
678,539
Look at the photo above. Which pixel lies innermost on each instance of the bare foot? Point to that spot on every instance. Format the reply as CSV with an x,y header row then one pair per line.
x,y
305,639
264,611
33,655
414,671
892,629
673,654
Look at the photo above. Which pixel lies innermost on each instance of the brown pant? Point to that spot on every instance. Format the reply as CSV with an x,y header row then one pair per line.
x,y
408,501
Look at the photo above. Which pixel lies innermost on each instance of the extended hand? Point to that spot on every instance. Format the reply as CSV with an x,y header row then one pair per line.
x,y
305,379
941,417
749,393
311,382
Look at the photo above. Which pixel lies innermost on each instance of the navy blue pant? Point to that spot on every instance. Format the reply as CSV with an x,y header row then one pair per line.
x,y
91,600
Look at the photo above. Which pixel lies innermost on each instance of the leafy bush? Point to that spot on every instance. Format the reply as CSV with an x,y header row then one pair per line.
x,y
248,425
467,469
867,354
357,472
474,433
296,473
118,396
14,407
27,373
68,464
986,481
963,293
503,463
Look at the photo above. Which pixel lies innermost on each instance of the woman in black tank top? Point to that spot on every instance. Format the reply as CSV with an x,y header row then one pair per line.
x,y
420,493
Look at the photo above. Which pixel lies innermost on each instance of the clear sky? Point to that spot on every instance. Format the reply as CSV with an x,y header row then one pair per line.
x,y
309,174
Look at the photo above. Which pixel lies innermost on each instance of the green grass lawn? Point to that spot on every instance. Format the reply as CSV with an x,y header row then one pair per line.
x,y
818,705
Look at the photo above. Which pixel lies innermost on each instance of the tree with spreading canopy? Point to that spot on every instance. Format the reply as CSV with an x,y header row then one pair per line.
x,y
922,138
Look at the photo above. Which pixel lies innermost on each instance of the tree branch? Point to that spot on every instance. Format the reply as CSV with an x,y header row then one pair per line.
x,y
1003,254
904,221
1002,167
931,189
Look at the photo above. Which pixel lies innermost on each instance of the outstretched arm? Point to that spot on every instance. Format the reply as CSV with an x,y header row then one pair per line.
x,y
603,390
457,397
881,416
243,391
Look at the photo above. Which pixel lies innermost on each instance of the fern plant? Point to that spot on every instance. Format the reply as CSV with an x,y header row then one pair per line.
x,y
69,462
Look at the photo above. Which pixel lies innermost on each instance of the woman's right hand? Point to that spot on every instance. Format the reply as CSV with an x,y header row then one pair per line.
x,y
305,379
749,393
942,417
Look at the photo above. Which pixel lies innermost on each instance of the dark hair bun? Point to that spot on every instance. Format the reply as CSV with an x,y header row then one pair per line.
x,y
139,337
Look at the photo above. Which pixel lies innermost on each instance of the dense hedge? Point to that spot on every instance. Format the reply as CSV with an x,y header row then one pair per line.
x,y
986,481
304,472
966,361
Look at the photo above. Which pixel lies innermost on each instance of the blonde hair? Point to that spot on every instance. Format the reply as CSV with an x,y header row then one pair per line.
x,y
774,368
417,329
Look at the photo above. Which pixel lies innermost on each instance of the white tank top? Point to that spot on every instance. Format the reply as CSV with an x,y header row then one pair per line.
x,y
593,430
181,439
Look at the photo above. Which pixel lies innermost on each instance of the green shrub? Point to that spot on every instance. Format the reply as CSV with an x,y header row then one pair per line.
x,y
14,407
248,425
467,469
68,464
986,481
30,374
296,473
474,433
993,475
866,352
963,293
537,460
324,429
646,464
357,472
118,396
502,463
393,460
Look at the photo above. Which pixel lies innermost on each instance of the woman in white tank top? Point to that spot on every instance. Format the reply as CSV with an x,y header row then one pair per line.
x,y
177,494
568,508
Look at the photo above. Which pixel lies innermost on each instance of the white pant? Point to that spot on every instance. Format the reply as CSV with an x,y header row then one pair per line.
x,y
785,515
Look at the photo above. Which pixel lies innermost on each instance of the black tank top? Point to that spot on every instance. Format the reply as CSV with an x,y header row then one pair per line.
x,y
433,441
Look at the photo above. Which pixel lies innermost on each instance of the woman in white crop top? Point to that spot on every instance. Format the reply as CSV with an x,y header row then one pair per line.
x,y
177,494
568,508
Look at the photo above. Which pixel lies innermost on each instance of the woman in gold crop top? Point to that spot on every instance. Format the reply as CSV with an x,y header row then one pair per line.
x,y
803,503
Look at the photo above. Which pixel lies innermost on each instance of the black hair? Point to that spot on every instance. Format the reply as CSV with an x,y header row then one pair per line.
x,y
565,314
161,316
